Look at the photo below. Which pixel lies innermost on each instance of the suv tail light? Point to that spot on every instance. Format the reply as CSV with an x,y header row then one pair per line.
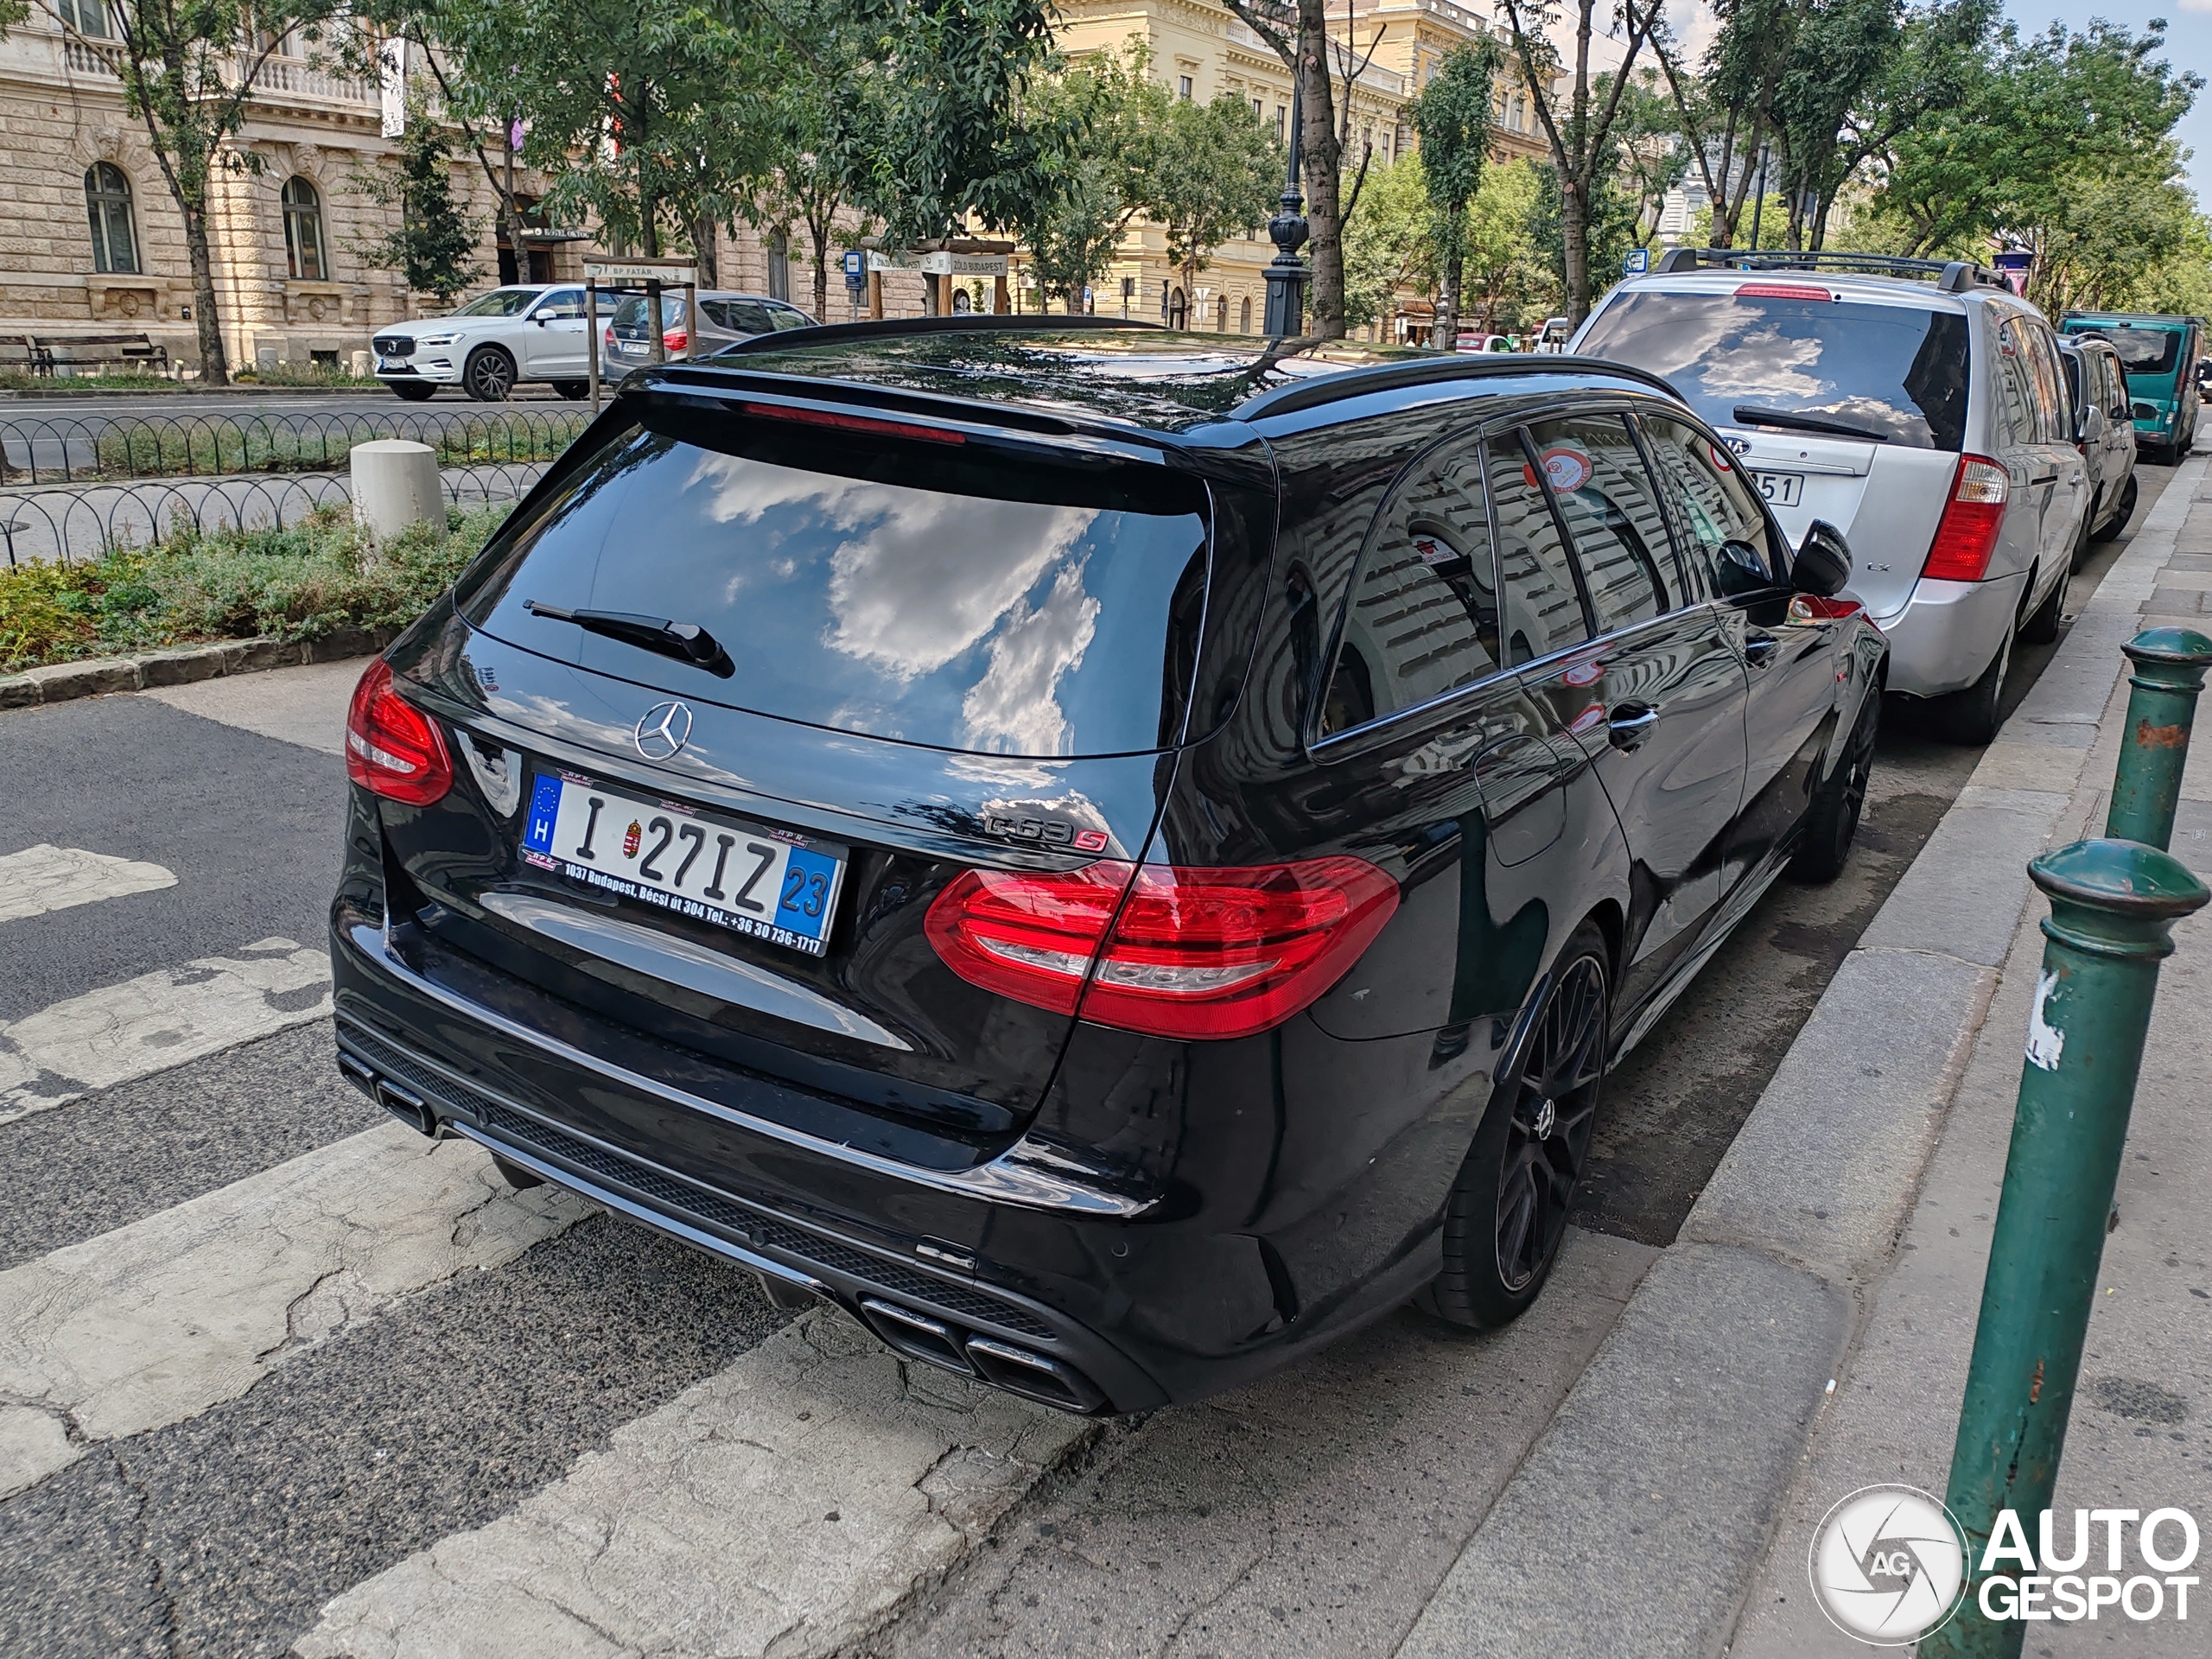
x,y
674,339
392,748
1967,535
1195,953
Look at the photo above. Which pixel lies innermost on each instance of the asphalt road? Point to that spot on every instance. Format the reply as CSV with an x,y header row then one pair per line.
x,y
397,1403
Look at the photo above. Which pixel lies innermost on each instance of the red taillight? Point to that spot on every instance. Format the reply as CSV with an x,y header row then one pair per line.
x,y
1816,607
674,339
853,423
1781,292
1195,953
392,748
1967,535
610,333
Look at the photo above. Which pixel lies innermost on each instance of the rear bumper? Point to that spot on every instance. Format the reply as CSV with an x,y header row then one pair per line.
x,y
1948,633
1082,1300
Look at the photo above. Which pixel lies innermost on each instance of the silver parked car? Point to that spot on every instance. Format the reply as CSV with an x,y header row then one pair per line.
x,y
2104,431
1920,407
626,337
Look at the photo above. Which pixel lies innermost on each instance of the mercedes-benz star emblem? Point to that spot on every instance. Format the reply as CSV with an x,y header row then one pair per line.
x,y
664,730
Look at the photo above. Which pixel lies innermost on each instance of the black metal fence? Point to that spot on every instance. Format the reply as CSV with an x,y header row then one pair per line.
x,y
99,448
87,522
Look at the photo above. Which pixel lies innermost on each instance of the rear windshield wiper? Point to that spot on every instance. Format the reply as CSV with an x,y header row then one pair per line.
x,y
1752,415
685,641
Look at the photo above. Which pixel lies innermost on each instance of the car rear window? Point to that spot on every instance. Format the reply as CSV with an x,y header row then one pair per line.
x,y
935,593
1896,370
632,313
2142,351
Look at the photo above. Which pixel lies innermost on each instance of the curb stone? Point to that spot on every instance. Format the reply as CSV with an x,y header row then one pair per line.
x,y
103,676
1704,1398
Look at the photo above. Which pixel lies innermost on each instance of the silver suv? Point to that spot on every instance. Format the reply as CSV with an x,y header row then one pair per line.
x,y
1920,407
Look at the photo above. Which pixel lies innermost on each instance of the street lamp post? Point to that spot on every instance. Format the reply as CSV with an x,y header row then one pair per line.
x,y
1287,273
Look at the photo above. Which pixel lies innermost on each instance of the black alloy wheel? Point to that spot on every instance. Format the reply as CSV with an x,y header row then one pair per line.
x,y
2120,514
490,375
1832,821
1507,1213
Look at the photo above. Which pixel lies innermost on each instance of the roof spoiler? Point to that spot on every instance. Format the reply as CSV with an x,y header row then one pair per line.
x,y
1952,275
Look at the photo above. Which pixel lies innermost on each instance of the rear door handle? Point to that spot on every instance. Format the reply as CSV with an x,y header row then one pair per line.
x,y
1760,649
1629,724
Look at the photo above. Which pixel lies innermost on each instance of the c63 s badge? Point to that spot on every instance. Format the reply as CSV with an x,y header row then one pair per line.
x,y
1046,832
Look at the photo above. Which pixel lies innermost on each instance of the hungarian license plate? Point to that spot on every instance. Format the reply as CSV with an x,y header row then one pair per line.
x,y
764,883
389,364
1782,489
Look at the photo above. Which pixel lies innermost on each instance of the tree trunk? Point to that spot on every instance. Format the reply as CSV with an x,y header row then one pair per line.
x,y
817,231
214,363
1445,333
703,239
1574,234
1320,159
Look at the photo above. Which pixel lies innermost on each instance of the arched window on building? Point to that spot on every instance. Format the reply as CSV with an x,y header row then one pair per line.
x,y
1221,315
303,250
1244,317
115,235
1178,310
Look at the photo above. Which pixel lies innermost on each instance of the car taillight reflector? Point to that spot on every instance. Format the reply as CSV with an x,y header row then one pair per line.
x,y
1195,953
1968,534
853,423
1781,292
392,748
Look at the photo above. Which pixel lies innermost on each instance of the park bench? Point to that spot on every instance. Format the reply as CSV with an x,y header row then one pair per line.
x,y
20,351
91,350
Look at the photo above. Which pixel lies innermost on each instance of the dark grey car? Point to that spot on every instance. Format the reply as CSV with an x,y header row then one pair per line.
x,y
626,340
2104,431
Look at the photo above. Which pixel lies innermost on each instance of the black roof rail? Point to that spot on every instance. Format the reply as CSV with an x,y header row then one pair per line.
x,y
1357,382
881,327
1952,275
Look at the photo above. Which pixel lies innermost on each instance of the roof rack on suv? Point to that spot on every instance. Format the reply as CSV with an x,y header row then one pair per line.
x,y
1952,275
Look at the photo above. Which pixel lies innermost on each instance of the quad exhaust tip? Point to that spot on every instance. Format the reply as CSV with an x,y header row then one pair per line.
x,y
403,1103
1002,1365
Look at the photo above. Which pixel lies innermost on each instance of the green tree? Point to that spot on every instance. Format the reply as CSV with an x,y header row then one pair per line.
x,y
188,72
1213,177
434,247
941,129
1508,272
1580,130
1116,120
1391,245
1451,117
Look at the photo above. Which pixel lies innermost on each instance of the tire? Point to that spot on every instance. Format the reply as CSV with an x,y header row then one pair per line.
x,y
2121,514
1507,1211
1832,821
489,375
2041,625
1973,715
574,390
515,1175
415,393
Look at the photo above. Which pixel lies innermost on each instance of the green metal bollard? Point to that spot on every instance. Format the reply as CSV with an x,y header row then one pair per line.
x,y
2112,907
2170,665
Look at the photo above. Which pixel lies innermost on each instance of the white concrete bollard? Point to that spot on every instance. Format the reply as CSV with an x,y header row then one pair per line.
x,y
360,365
395,485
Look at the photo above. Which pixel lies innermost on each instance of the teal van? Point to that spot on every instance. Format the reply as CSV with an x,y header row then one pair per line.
x,y
2160,355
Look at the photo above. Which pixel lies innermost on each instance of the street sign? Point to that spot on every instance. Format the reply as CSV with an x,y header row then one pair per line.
x,y
964,264
668,273
855,263
1638,262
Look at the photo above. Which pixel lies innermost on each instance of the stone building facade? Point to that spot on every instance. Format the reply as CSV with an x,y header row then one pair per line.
x,y
91,242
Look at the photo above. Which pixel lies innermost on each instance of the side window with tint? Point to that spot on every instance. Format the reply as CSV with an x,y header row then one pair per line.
x,y
1598,480
2016,401
1725,541
1543,609
1423,617
2055,420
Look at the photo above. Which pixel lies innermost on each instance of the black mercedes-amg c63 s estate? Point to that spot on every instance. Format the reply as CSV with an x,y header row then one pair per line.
x,y
1113,855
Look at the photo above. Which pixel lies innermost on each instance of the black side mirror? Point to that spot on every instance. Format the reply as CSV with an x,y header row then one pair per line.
x,y
1742,571
1823,560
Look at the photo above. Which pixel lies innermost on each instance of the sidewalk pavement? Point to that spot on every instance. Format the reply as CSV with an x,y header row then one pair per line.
x,y
1808,1333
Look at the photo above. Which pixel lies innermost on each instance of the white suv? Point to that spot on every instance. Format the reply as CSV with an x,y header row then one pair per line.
x,y
498,340
1919,407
